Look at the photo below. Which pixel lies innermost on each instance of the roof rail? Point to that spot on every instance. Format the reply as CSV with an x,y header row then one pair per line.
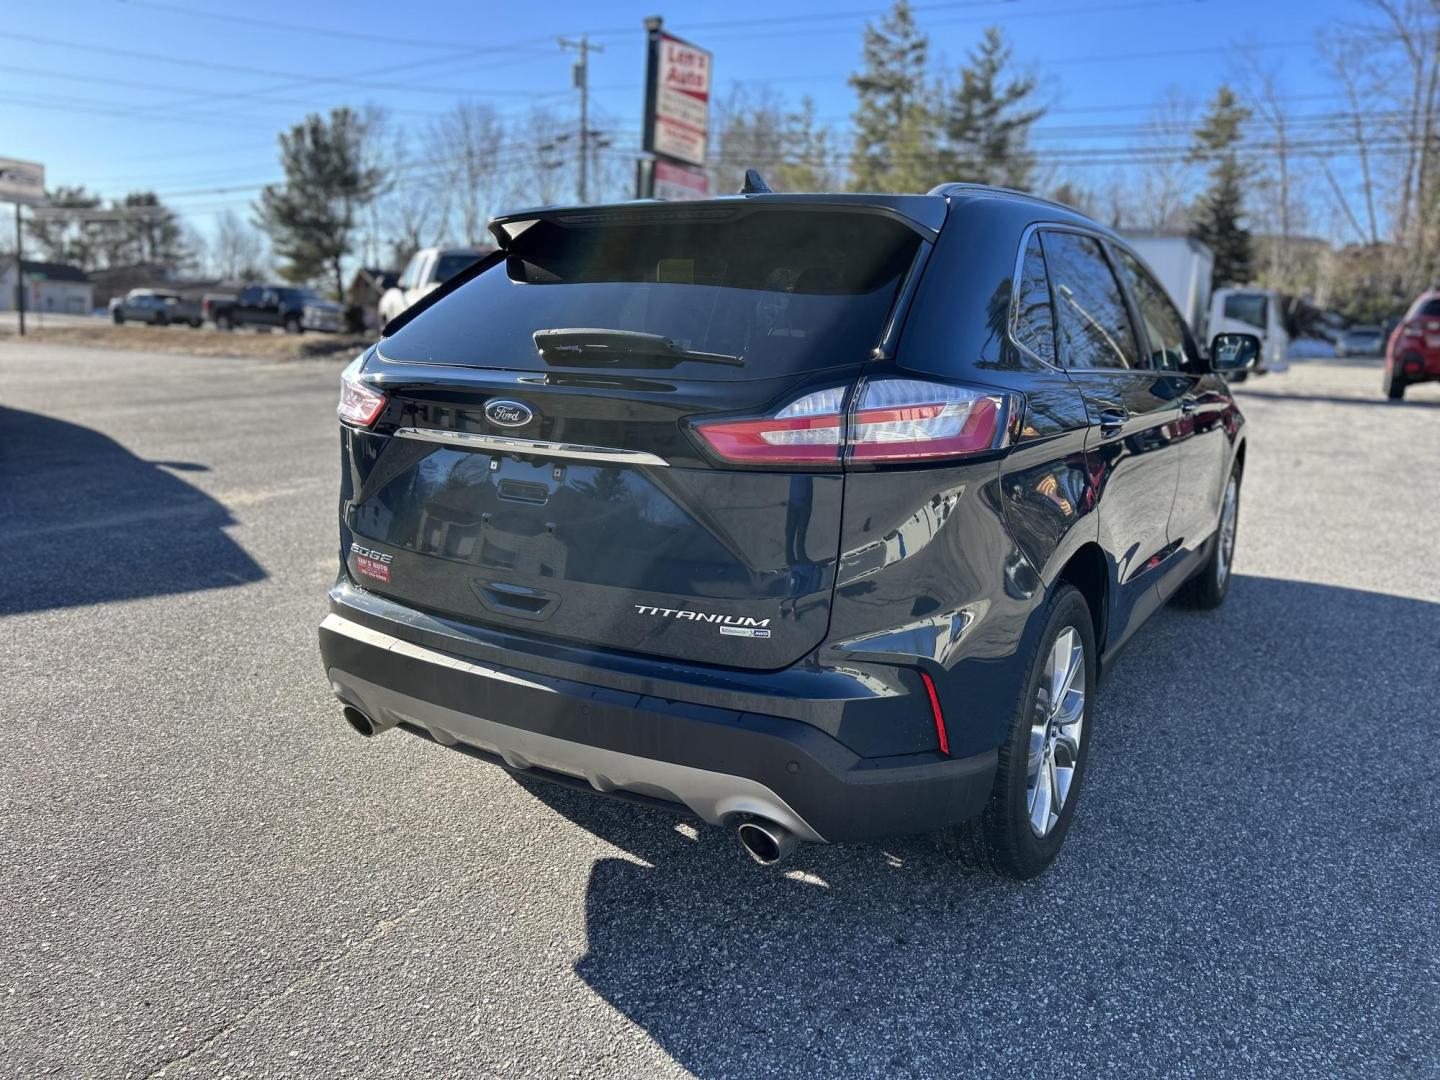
x,y
956,187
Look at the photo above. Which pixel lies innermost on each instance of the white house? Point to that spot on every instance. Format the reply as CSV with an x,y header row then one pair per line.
x,y
54,287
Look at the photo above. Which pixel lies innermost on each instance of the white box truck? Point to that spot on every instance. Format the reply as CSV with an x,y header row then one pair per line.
x,y
1184,266
1254,311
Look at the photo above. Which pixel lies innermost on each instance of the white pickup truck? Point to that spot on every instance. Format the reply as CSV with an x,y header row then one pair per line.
x,y
428,269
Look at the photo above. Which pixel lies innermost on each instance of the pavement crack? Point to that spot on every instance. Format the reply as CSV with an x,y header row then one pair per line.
x,y
380,930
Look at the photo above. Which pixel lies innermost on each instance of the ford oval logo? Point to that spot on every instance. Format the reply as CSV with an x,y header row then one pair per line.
x,y
509,413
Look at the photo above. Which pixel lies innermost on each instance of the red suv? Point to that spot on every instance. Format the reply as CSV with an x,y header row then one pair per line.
x,y
1413,355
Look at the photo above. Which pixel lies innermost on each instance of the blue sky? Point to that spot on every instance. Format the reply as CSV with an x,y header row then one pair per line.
x,y
181,98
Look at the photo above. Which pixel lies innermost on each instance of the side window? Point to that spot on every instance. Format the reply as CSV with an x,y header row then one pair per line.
x,y
1093,324
1170,347
251,297
426,276
1034,317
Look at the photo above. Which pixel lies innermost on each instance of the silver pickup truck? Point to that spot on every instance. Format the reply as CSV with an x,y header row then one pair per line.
x,y
156,307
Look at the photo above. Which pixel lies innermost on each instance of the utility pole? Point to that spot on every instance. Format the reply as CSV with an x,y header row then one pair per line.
x,y
582,83
19,272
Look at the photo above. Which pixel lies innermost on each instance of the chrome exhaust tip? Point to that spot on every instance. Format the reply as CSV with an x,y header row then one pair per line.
x,y
767,842
360,722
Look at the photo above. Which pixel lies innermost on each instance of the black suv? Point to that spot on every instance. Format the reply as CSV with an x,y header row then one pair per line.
x,y
817,515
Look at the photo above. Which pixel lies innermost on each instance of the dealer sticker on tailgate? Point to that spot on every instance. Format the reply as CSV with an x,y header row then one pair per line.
x,y
372,563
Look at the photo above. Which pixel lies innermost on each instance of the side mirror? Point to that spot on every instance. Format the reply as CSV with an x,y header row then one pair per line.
x,y
1234,352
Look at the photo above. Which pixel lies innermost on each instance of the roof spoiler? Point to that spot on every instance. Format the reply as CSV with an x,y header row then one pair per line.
x,y
923,214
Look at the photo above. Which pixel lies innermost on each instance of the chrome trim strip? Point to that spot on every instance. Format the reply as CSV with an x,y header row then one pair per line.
x,y
714,797
507,444
338,624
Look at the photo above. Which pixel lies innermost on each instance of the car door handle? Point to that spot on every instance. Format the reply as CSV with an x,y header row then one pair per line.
x,y
1112,421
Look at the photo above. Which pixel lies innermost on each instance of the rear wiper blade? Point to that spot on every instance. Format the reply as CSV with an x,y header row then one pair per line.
x,y
590,345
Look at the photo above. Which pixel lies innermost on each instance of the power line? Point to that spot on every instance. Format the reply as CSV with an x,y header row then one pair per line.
x,y
242,69
326,31
264,98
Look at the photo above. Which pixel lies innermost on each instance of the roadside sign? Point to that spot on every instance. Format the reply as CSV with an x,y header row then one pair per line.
x,y
679,182
22,182
677,96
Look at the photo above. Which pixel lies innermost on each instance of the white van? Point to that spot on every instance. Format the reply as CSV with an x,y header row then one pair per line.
x,y
1253,311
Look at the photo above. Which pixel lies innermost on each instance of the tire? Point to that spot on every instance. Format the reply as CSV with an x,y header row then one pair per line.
x,y
1393,386
1239,376
195,324
119,319
1044,754
1209,587
224,322
292,325
161,320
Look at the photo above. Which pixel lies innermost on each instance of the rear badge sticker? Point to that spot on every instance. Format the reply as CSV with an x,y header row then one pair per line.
x,y
372,563
730,625
743,631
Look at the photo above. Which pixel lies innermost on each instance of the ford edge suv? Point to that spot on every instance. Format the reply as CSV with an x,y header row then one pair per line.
x,y
815,516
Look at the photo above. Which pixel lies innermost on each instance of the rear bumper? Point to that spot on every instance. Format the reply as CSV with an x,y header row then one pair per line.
x,y
1416,367
715,762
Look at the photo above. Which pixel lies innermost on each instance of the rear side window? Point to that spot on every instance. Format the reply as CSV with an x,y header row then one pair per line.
x,y
1429,310
783,290
1093,323
1164,328
1251,308
1034,317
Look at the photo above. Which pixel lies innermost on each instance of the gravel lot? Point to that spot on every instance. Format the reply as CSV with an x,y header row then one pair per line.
x,y
203,873
89,332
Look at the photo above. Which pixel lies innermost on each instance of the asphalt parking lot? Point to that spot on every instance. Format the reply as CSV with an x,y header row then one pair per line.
x,y
204,873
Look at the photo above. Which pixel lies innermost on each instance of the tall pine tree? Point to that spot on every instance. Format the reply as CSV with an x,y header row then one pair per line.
x,y
1221,207
894,122
311,217
988,117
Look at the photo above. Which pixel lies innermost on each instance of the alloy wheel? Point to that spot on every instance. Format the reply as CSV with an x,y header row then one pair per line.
x,y
1228,515
1055,731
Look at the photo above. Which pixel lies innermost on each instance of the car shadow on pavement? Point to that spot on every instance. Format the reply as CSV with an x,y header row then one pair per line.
x,y
1245,888
84,521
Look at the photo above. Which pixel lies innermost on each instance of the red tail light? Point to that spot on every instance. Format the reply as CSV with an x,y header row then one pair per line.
x,y
894,420
360,403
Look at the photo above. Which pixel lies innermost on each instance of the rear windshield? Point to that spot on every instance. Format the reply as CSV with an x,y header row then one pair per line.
x,y
1429,309
1249,308
785,291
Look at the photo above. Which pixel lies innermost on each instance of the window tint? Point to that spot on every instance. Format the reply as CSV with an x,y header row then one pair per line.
x,y
785,291
1163,326
1251,308
251,296
1429,310
1090,310
1034,317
